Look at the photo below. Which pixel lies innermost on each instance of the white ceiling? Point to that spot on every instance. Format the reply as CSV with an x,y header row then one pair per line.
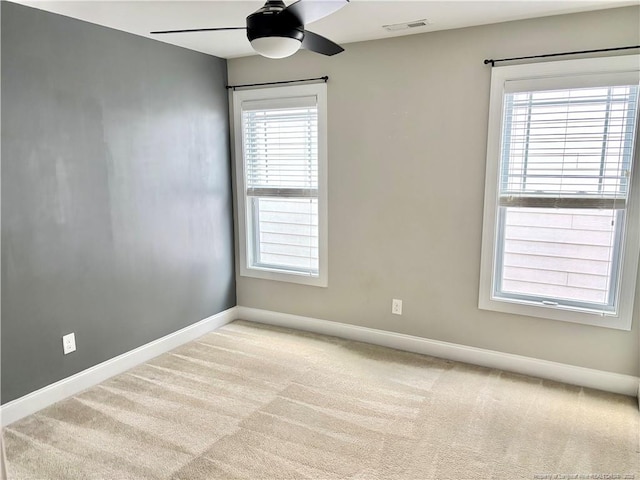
x,y
359,20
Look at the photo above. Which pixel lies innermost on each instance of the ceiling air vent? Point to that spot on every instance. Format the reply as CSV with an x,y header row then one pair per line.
x,y
406,25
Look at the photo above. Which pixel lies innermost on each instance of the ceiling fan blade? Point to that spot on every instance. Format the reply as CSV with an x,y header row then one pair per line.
x,y
198,30
319,44
308,11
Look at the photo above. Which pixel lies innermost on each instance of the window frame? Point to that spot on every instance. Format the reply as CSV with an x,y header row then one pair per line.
x,y
319,90
550,72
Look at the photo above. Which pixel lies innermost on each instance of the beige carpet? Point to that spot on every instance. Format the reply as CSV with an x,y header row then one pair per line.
x,y
256,402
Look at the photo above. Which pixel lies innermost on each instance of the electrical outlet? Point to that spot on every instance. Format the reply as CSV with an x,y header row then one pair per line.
x,y
69,343
396,307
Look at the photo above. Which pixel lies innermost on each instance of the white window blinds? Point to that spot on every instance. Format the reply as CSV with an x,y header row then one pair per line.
x,y
281,147
569,148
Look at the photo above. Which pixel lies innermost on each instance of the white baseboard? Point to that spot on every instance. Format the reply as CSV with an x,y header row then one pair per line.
x,y
584,377
31,403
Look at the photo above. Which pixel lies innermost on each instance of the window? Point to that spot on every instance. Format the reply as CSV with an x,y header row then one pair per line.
x,y
281,166
560,235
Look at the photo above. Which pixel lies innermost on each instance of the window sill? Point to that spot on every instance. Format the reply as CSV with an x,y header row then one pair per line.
x,y
284,276
557,312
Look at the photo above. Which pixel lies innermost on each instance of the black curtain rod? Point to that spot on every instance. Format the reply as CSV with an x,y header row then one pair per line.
x,y
493,62
325,78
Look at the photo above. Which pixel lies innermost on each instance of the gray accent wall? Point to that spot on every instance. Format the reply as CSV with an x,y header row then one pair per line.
x,y
407,126
116,194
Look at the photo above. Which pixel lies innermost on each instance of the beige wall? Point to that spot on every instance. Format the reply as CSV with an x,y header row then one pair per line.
x,y
407,145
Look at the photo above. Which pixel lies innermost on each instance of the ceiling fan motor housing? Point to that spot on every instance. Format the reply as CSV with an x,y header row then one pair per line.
x,y
272,21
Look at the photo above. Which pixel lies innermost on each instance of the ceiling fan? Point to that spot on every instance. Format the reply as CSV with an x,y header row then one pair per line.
x,y
278,31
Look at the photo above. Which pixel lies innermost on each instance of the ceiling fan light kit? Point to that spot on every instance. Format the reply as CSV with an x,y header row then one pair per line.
x,y
276,47
278,31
